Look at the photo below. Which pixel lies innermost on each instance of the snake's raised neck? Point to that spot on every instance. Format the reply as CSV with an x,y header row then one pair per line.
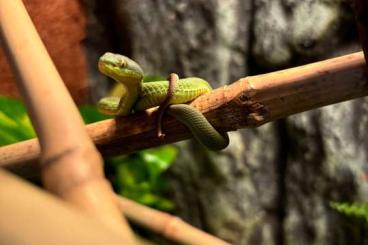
x,y
129,74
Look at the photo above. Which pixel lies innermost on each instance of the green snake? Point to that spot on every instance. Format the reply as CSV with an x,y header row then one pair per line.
x,y
138,96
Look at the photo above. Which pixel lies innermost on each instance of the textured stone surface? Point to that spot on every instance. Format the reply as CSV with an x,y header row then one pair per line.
x,y
327,163
288,32
61,24
183,36
274,184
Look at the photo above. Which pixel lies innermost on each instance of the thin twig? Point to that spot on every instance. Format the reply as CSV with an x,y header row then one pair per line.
x,y
249,102
169,226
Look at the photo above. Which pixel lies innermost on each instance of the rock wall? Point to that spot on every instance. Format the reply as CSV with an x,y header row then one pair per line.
x,y
273,184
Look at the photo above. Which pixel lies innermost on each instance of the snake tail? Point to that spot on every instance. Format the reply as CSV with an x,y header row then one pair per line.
x,y
173,79
201,129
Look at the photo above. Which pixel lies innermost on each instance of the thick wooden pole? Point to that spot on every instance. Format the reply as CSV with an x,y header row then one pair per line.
x,y
31,216
71,166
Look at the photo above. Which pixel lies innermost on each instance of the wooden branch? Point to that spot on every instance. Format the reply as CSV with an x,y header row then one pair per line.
x,y
44,227
249,102
167,225
71,167
31,216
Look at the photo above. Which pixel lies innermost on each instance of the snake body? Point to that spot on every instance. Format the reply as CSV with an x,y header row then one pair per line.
x,y
138,95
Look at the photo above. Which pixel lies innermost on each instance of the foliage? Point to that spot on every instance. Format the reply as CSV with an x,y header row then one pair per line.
x,y
138,176
357,210
355,220
14,122
90,114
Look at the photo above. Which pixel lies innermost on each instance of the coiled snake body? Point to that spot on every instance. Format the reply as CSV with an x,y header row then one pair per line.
x,y
138,96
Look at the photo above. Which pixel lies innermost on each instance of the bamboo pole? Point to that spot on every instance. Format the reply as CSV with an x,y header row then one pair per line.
x,y
32,216
44,219
249,102
70,165
167,225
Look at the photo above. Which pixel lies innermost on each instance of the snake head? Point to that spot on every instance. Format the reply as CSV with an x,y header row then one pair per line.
x,y
120,68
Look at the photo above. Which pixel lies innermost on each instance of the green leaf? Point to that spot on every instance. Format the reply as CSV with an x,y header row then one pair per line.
x,y
16,126
139,176
357,210
159,159
90,114
14,122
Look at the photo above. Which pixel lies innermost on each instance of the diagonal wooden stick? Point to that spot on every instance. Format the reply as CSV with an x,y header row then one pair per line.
x,y
70,165
44,225
32,216
249,102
